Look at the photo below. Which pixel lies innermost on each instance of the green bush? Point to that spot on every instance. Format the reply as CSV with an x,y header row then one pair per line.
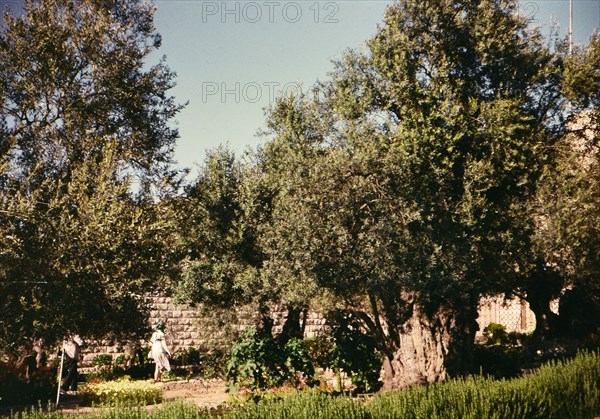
x,y
213,362
102,360
190,356
255,362
120,361
321,349
495,334
177,373
355,352
300,368
498,361
106,373
558,390
258,362
122,391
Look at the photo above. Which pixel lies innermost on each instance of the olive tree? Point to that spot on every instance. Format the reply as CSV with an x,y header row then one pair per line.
x,y
425,153
85,150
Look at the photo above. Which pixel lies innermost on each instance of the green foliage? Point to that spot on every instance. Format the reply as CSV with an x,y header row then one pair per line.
x,y
567,389
106,373
190,356
306,404
403,186
581,83
321,349
213,363
217,236
355,352
503,355
499,361
299,363
559,390
495,334
83,113
120,360
102,360
257,362
16,389
122,391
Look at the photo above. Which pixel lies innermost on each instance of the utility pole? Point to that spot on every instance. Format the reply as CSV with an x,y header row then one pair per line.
x,y
570,26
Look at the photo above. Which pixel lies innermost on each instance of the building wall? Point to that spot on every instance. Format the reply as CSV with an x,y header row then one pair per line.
x,y
187,328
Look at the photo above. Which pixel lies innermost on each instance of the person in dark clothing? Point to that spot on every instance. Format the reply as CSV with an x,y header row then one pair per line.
x,y
71,359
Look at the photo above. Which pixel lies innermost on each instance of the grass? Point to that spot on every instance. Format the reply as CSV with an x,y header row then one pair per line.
x,y
560,389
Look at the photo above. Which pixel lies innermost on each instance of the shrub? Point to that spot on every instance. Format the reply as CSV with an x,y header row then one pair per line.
x,y
258,362
255,362
187,358
105,373
120,361
321,349
16,389
495,334
102,360
355,352
213,362
122,391
299,365
498,361
177,373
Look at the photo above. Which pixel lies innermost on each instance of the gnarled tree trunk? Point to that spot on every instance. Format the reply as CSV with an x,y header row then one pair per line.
x,y
429,347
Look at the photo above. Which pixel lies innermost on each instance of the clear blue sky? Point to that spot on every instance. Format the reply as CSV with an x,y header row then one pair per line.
x,y
232,57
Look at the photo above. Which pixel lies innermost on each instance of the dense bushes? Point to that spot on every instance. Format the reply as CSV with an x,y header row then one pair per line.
x,y
258,362
561,390
558,390
354,352
209,363
17,388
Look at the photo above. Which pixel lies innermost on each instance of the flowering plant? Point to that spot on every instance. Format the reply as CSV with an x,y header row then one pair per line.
x,y
123,391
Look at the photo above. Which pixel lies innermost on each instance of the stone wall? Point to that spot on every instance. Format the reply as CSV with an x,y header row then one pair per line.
x,y
182,322
187,328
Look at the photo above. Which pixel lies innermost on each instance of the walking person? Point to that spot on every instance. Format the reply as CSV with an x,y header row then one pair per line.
x,y
71,360
159,351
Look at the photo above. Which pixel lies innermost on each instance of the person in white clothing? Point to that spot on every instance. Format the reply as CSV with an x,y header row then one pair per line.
x,y
159,351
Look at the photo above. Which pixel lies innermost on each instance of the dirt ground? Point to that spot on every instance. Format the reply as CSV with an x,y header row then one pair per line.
x,y
203,393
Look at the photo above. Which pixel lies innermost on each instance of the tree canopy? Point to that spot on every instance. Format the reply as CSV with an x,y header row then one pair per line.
x,y
409,184
84,140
